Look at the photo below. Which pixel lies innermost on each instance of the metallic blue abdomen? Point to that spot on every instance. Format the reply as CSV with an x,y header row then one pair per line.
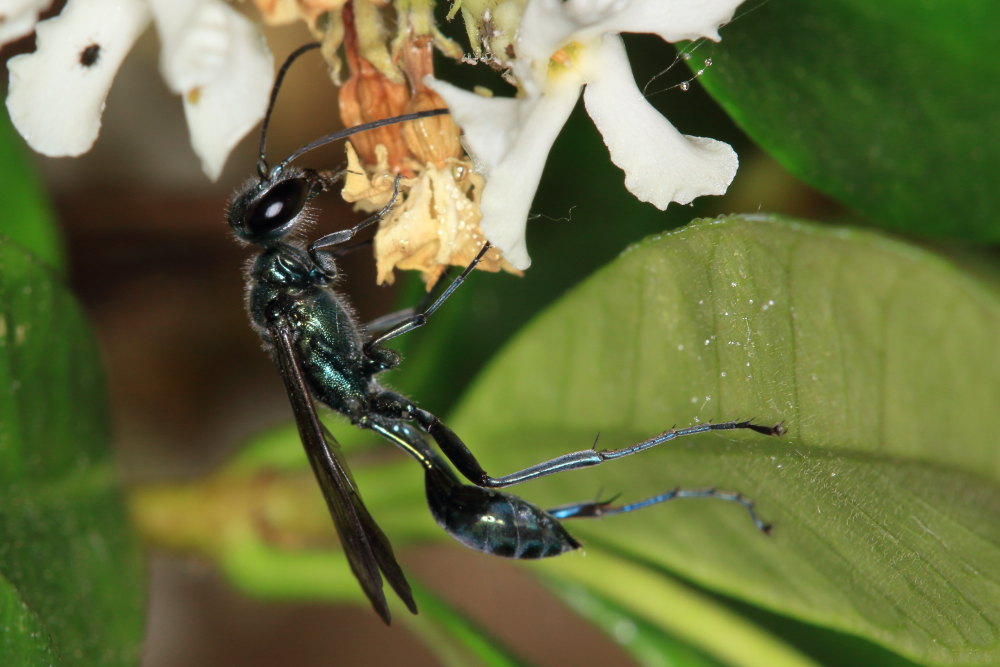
x,y
494,522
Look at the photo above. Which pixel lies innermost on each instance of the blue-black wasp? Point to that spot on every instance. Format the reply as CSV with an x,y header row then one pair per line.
x,y
324,353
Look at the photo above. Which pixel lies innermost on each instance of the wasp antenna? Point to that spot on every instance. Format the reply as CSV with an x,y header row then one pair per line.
x,y
292,57
364,127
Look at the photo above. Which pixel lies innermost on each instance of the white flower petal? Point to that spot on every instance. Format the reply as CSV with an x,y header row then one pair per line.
x,y
673,20
509,141
18,18
545,27
218,60
661,165
56,94
490,124
511,185
194,39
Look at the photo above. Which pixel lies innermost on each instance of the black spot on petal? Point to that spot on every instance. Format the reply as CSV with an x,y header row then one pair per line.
x,y
90,55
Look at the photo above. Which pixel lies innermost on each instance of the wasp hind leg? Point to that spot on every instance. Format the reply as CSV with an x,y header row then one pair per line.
x,y
602,508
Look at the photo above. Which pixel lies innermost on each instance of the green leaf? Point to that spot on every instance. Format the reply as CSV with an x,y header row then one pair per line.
x,y
27,646
649,643
27,217
882,360
455,638
263,519
70,570
888,107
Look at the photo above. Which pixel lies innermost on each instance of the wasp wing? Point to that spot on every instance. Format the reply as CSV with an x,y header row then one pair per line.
x,y
367,548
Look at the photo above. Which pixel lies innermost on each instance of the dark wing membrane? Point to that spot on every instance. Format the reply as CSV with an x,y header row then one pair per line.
x,y
365,545
381,547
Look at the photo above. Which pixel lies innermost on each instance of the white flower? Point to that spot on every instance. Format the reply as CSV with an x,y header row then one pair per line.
x,y
18,18
562,46
211,54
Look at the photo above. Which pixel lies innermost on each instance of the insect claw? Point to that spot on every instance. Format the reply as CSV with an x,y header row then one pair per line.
x,y
606,503
778,429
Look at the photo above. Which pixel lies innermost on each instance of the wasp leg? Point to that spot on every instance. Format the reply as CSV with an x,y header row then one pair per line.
x,y
460,455
345,235
390,320
605,508
337,253
419,319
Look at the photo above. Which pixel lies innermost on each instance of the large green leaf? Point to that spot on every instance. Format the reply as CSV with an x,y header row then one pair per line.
x,y
26,216
648,643
70,571
881,359
888,106
663,609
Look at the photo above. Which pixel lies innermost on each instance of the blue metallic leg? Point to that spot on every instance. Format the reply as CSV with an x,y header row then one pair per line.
x,y
419,319
463,459
605,508
345,235
390,320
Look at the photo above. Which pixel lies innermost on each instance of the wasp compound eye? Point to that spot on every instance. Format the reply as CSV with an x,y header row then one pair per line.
x,y
272,212
269,215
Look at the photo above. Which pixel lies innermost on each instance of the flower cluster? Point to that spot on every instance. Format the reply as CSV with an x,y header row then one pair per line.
x,y
560,49
464,178
211,55
437,223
